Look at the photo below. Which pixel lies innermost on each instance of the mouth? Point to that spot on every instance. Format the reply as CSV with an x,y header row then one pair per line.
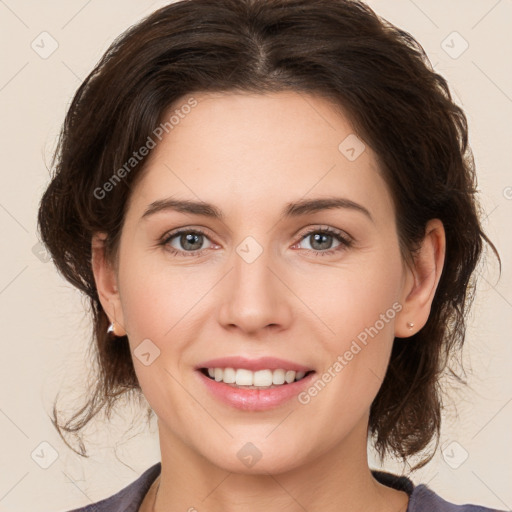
x,y
253,384
254,391
243,378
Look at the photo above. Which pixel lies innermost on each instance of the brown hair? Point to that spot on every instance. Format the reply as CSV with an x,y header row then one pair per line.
x,y
339,49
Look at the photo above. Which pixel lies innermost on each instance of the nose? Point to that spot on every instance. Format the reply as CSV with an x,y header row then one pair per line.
x,y
255,297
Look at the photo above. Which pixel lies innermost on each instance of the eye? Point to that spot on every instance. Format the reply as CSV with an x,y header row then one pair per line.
x,y
186,242
321,241
190,242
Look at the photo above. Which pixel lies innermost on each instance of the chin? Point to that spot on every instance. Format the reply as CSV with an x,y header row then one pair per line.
x,y
253,458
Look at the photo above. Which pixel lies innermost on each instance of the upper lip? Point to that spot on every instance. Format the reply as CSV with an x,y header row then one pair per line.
x,y
262,363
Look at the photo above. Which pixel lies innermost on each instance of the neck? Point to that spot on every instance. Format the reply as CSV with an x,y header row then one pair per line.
x,y
190,482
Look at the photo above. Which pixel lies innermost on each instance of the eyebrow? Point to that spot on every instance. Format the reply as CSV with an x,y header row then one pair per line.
x,y
293,209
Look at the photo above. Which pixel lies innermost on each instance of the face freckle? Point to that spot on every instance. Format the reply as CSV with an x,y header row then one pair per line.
x,y
272,169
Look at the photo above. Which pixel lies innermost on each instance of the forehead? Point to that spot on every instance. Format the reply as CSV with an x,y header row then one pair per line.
x,y
249,151
270,122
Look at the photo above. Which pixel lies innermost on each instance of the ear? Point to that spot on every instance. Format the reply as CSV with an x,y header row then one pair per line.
x,y
421,280
106,283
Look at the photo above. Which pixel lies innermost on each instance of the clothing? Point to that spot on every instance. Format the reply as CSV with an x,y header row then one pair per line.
x,y
421,498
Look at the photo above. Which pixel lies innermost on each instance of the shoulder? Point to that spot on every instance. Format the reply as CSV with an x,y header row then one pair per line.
x,y
424,499
421,497
128,499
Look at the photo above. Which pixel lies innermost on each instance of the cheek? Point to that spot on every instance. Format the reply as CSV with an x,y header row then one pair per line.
x,y
146,303
155,296
350,299
155,302
359,307
166,305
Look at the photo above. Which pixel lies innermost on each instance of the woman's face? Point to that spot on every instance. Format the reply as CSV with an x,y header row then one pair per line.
x,y
262,280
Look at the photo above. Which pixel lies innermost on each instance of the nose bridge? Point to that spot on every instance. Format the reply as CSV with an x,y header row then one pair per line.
x,y
253,297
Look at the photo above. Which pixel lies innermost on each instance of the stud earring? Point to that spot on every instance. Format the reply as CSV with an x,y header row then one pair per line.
x,y
410,325
112,330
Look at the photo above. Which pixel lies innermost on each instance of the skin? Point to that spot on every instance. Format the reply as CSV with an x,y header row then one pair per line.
x,y
250,155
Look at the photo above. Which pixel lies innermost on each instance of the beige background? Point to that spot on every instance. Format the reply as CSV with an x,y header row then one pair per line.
x,y
45,330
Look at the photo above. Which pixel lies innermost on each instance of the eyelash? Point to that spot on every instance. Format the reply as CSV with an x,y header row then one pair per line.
x,y
345,241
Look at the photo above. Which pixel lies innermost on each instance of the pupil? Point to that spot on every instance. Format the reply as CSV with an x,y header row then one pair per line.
x,y
189,239
318,238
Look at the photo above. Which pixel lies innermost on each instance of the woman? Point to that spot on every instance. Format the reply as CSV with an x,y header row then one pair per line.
x,y
270,205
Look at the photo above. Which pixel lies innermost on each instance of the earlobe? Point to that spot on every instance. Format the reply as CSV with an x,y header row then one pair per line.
x,y
422,280
106,283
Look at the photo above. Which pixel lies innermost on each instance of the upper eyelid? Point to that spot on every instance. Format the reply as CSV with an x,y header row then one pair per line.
x,y
179,231
324,228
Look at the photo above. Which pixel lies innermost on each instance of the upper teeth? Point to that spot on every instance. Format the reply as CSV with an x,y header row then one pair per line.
x,y
243,377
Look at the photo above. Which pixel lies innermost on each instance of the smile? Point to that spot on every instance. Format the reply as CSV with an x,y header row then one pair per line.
x,y
253,384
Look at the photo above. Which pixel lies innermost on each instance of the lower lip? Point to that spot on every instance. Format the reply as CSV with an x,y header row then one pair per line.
x,y
255,399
